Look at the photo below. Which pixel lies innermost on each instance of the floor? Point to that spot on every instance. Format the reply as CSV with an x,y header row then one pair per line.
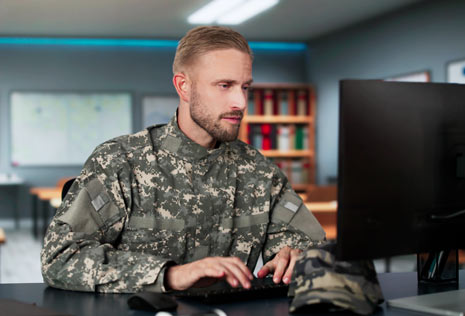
x,y
20,263
19,257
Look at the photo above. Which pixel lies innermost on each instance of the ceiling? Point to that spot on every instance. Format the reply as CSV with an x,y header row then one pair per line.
x,y
290,20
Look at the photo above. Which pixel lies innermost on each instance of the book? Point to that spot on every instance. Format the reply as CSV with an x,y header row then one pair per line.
x,y
291,137
296,167
306,172
268,102
299,137
283,103
266,136
306,141
291,102
283,138
251,107
302,103
285,167
258,102
256,137
274,136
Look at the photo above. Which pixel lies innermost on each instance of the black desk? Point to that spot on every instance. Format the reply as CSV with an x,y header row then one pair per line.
x,y
394,285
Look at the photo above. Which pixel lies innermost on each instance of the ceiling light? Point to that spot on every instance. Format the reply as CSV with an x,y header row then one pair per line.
x,y
209,13
246,11
230,12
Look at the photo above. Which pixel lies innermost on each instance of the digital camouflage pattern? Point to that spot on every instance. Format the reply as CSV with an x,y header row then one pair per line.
x,y
153,198
322,282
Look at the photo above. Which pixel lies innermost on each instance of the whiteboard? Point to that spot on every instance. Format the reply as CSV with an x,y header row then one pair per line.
x,y
158,109
56,129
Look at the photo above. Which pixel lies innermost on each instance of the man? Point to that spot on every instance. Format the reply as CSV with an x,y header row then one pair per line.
x,y
184,204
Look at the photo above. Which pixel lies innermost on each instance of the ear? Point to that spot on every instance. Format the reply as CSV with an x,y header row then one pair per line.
x,y
182,84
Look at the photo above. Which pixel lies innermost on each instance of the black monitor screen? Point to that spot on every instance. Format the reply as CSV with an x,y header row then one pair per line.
x,y
401,185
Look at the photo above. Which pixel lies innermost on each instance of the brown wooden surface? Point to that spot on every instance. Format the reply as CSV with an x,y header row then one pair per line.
x,y
47,195
37,190
277,119
326,214
287,154
322,193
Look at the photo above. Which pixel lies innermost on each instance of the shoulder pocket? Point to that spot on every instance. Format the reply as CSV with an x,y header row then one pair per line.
x,y
91,210
291,211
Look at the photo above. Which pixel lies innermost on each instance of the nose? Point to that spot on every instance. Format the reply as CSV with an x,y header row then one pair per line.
x,y
239,99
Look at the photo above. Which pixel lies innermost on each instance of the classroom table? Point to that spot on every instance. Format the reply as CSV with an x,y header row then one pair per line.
x,y
394,285
41,204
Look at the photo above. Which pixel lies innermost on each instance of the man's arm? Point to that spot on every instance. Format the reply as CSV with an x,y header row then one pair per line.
x,y
79,250
292,229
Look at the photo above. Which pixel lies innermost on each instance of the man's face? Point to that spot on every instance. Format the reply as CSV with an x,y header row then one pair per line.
x,y
219,93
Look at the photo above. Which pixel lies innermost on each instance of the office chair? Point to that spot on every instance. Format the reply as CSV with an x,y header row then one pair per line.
x,y
66,187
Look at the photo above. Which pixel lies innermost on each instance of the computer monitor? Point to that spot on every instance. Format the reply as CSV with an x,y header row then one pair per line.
x,y
401,182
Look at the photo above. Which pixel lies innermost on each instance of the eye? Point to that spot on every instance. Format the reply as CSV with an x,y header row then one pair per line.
x,y
224,85
246,88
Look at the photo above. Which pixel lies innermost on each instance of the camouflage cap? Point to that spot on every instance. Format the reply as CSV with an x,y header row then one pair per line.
x,y
321,282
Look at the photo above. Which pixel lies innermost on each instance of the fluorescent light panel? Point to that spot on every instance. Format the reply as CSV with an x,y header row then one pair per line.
x,y
246,11
210,12
230,12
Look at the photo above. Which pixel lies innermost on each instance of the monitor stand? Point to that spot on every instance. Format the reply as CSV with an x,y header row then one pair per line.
x,y
437,286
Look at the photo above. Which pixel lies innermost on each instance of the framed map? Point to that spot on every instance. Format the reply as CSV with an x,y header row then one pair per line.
x,y
456,71
420,76
158,109
61,128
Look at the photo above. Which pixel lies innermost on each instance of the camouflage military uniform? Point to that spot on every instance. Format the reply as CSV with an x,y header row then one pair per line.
x,y
145,200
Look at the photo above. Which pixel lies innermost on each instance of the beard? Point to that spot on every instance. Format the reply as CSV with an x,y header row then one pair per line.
x,y
199,114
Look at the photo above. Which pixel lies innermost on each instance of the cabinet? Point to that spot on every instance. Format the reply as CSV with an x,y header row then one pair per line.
x,y
280,122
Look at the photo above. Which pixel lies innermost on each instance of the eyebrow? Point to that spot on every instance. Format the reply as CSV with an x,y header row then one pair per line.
x,y
231,81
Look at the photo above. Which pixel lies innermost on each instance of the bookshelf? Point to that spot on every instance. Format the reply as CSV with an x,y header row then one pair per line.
x,y
280,122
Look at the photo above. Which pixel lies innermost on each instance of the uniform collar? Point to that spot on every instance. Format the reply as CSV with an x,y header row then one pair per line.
x,y
176,142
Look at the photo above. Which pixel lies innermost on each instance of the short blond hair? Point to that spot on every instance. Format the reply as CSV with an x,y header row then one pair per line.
x,y
203,39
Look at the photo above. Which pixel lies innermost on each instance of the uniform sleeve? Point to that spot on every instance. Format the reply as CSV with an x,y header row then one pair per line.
x,y
80,247
291,223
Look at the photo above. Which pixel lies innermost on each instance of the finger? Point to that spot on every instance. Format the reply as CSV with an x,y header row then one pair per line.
x,y
228,275
243,267
212,272
264,271
282,261
290,268
236,267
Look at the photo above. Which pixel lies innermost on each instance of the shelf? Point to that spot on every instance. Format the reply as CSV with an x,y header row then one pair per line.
x,y
300,188
287,154
277,119
294,99
322,207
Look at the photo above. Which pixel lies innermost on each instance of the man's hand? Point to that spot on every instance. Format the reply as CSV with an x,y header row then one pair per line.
x,y
207,271
282,265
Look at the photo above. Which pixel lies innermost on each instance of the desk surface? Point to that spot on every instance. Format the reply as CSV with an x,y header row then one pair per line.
x,y
394,285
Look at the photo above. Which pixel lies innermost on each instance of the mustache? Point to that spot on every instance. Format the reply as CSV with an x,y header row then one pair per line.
x,y
239,114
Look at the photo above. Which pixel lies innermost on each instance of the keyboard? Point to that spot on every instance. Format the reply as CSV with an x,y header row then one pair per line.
x,y
222,292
